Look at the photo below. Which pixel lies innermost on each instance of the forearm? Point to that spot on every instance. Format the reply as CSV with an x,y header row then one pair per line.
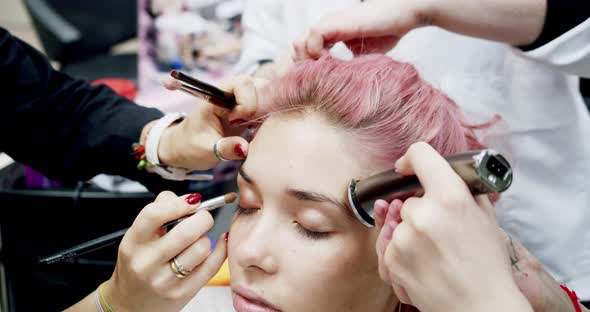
x,y
63,126
516,22
88,304
556,299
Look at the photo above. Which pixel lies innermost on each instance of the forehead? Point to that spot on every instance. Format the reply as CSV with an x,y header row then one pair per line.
x,y
303,151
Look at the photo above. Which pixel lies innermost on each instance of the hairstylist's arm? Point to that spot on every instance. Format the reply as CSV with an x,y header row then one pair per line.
x,y
376,26
443,251
143,279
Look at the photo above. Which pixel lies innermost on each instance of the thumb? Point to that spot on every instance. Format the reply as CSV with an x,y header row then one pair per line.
x,y
233,148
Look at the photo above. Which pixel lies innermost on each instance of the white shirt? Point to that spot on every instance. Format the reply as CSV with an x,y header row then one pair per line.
x,y
545,131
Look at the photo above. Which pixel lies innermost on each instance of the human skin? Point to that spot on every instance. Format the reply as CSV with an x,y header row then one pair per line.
x,y
293,249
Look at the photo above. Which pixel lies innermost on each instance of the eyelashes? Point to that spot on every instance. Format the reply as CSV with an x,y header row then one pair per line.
x,y
313,235
243,211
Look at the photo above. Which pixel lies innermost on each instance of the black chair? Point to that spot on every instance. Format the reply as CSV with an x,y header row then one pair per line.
x,y
80,34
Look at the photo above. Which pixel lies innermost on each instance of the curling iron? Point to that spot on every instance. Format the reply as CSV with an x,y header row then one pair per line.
x,y
484,171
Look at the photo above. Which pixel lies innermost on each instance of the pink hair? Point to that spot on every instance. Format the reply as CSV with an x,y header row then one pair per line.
x,y
383,103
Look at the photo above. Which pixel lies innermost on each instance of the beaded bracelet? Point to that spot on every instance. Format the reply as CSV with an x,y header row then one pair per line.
x,y
139,154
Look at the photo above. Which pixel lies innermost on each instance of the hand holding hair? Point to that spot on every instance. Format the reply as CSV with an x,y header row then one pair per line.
x,y
376,26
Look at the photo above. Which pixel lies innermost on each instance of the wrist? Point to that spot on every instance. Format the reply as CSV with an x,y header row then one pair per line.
x,y
113,298
144,132
502,297
167,149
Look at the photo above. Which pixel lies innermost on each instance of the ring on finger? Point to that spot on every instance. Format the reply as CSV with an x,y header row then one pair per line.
x,y
216,151
178,269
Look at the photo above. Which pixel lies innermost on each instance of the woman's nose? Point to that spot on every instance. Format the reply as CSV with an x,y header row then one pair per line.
x,y
257,249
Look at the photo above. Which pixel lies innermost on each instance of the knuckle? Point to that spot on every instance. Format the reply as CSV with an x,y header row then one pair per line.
x,y
165,195
453,200
204,245
159,286
175,294
417,148
136,267
125,253
184,235
205,218
150,212
401,239
423,224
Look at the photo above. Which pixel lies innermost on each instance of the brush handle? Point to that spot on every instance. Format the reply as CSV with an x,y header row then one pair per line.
x,y
84,248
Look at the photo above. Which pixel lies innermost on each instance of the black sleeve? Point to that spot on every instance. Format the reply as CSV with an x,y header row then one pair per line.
x,y
64,127
561,16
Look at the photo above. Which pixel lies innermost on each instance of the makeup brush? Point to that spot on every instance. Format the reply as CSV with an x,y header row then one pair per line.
x,y
115,237
198,88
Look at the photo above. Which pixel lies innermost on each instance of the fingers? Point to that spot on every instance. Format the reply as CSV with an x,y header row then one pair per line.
x,y
380,210
165,208
233,148
195,254
488,208
246,90
172,84
208,268
330,29
183,235
372,45
433,171
388,225
309,46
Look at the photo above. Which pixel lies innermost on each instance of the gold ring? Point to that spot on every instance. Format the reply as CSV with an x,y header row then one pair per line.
x,y
178,269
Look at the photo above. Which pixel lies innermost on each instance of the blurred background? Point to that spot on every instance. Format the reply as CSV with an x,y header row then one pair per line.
x,y
131,47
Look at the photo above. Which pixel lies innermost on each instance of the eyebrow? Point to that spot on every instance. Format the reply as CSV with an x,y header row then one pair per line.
x,y
306,195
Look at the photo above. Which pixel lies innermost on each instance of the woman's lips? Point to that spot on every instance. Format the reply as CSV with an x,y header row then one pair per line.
x,y
246,300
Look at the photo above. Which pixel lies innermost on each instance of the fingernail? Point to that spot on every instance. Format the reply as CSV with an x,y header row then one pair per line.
x,y
194,198
226,236
239,151
379,208
236,122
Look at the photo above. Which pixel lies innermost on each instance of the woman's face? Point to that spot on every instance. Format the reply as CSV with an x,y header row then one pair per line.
x,y
293,244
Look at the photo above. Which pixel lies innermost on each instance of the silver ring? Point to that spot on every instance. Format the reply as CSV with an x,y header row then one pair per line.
x,y
216,151
178,269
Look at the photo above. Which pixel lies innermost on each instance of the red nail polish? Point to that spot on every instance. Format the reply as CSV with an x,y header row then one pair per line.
x,y
193,199
239,151
226,236
237,122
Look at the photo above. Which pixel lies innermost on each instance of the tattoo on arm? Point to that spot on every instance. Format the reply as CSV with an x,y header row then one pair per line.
x,y
513,256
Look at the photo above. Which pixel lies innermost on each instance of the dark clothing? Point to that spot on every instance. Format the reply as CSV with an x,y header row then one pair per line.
x,y
560,17
62,126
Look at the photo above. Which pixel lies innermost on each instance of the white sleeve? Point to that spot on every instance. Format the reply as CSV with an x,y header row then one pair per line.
x,y
568,53
263,27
